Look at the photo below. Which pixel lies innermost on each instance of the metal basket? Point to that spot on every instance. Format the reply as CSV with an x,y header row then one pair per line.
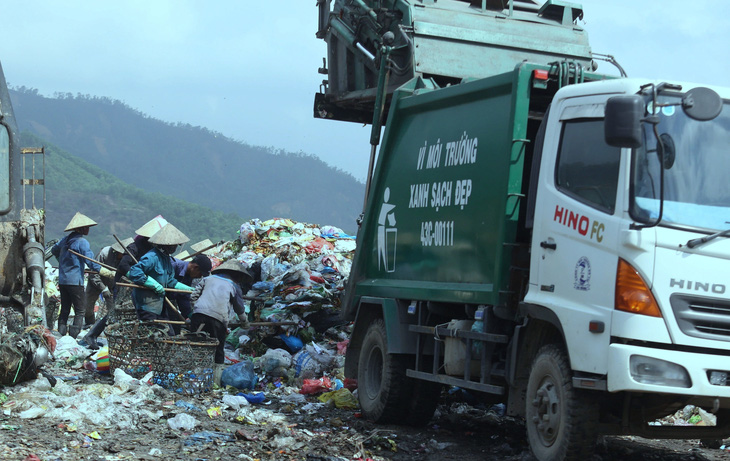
x,y
132,346
184,364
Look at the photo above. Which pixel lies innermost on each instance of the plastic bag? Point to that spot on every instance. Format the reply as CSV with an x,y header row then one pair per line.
x,y
342,398
315,386
293,343
183,421
276,362
240,375
124,381
258,397
205,437
317,245
311,361
235,401
247,232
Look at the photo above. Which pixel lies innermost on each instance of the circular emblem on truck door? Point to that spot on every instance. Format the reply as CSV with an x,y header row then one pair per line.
x,y
582,274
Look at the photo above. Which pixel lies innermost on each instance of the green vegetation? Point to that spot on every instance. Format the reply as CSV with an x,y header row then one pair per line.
x,y
192,164
73,184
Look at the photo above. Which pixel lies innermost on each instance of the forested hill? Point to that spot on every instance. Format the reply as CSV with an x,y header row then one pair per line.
x,y
73,184
192,163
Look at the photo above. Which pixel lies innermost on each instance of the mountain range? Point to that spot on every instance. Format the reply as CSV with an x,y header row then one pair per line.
x,y
155,161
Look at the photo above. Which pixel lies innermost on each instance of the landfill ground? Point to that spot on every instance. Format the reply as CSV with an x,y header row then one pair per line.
x,y
292,364
281,429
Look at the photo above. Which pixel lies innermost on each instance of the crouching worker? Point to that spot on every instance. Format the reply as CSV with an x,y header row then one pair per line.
x,y
154,271
213,298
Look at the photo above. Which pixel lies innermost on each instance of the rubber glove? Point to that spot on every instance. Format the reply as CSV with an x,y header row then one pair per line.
x,y
154,284
182,286
243,318
104,272
106,294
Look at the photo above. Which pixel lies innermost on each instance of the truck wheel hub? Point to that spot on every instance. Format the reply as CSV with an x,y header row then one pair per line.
x,y
374,373
547,418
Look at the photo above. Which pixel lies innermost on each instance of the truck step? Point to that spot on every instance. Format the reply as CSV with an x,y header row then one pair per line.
x,y
443,332
454,381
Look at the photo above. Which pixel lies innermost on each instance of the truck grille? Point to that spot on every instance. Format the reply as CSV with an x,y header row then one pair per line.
x,y
701,317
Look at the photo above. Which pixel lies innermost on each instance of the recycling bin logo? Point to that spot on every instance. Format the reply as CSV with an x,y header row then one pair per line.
x,y
387,234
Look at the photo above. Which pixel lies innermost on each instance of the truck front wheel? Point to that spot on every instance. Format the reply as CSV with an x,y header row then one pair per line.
x,y
561,421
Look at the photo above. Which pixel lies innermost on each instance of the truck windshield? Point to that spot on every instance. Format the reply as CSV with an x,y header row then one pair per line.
x,y
697,166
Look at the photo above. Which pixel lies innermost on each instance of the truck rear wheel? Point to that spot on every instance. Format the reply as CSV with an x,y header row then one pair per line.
x,y
561,421
380,377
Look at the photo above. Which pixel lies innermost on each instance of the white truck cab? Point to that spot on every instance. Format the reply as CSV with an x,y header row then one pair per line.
x,y
628,255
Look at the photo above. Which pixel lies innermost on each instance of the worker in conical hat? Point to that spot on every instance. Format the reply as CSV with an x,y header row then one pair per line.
x,y
154,271
79,222
151,227
140,246
213,299
71,272
103,284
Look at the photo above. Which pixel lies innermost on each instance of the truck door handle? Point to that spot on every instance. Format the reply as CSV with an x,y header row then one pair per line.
x,y
548,245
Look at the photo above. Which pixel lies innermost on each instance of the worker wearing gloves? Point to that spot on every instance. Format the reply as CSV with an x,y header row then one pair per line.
x,y
154,271
103,282
140,246
134,250
212,300
71,272
188,272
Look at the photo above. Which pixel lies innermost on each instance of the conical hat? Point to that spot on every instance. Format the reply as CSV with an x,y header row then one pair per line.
x,y
169,235
233,266
118,248
79,220
182,255
201,245
152,226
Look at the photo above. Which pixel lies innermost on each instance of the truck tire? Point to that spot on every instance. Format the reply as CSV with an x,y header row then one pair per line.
x,y
561,421
381,377
421,401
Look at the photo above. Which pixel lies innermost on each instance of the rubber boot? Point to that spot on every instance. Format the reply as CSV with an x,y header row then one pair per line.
x,y
62,328
74,330
96,330
217,372
77,326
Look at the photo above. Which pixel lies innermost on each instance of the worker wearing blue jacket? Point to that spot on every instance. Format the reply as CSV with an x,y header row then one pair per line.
x,y
71,272
154,271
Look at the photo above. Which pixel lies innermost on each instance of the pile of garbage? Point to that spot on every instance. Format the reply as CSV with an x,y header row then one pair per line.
x,y
300,272
295,331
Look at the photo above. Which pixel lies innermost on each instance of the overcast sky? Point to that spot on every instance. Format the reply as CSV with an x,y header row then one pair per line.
x,y
249,69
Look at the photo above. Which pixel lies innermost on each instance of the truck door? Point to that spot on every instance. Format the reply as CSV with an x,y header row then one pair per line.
x,y
576,230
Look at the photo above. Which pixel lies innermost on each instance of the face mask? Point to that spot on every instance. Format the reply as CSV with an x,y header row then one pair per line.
x,y
168,249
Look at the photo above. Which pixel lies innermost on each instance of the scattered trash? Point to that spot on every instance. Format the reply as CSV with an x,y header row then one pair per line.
x,y
240,375
214,412
315,386
187,406
342,398
183,421
235,401
204,437
253,398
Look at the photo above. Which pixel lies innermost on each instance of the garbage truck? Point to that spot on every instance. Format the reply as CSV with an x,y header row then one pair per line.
x,y
22,223
534,232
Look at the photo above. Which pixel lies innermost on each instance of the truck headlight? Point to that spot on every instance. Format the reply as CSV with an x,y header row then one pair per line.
x,y
648,370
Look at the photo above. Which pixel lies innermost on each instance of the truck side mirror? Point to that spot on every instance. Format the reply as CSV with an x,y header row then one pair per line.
x,y
622,124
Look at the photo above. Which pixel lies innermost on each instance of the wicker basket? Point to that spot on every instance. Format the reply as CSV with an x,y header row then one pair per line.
x,y
123,310
132,346
184,364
